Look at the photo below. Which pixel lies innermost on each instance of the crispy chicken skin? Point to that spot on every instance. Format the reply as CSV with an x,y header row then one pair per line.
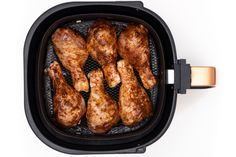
x,y
102,110
69,105
134,103
133,47
71,49
102,46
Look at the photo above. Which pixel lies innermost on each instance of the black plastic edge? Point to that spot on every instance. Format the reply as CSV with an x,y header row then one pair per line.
x,y
182,76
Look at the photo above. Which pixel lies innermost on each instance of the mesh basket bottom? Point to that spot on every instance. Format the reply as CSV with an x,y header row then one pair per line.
x,y
82,129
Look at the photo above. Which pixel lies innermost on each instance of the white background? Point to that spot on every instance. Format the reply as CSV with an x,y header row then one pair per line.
x,y
204,123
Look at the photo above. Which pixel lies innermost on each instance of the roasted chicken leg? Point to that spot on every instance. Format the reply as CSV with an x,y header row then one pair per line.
x,y
134,103
69,105
102,46
133,47
71,49
102,110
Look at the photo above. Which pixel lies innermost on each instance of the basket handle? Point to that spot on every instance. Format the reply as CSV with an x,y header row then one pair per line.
x,y
192,77
203,77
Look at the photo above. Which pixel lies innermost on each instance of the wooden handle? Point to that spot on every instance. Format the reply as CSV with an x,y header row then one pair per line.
x,y
203,77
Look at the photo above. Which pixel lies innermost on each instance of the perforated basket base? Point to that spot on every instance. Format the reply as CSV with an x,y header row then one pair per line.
x,y
82,129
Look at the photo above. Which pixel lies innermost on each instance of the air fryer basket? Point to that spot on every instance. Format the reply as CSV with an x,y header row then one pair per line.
x,y
38,91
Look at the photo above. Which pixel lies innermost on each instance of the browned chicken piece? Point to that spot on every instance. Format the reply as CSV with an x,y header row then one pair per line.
x,y
102,110
133,47
69,105
102,46
134,103
71,49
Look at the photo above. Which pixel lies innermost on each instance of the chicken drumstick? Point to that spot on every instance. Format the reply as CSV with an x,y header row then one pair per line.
x,y
102,110
71,49
69,105
102,46
133,47
134,103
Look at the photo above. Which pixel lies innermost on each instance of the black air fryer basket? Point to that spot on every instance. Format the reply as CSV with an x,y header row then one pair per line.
x,y
174,76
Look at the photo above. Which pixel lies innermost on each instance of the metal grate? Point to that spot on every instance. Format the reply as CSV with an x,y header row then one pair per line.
x,y
82,129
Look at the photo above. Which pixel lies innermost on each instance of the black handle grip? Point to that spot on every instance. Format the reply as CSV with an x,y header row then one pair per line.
x,y
182,76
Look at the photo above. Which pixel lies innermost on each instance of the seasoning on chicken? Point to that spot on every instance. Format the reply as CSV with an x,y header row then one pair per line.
x,y
102,46
71,49
134,103
133,47
69,105
102,110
